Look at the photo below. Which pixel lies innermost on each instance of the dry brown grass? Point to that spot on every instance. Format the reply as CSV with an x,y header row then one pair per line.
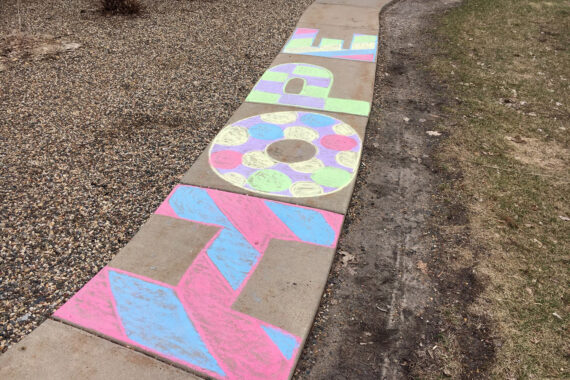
x,y
507,65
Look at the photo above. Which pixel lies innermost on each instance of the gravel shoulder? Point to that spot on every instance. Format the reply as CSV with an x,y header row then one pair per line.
x,y
94,137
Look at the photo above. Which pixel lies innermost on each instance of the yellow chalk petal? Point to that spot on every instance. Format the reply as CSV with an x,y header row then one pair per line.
x,y
257,160
301,133
232,136
279,117
305,189
344,129
235,178
347,158
308,166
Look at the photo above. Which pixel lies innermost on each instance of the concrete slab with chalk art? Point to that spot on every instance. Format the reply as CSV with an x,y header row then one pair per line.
x,y
317,83
298,160
333,42
204,316
56,351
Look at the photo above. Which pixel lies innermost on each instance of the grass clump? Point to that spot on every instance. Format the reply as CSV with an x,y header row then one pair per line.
x,y
506,64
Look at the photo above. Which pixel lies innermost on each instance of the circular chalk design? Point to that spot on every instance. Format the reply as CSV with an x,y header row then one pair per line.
x,y
287,154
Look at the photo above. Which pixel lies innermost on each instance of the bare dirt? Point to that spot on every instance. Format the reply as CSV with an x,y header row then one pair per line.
x,y
394,277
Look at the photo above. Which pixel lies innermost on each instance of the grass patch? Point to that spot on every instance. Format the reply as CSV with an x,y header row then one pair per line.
x,y
507,65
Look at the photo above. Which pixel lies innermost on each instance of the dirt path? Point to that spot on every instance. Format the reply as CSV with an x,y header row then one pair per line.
x,y
375,319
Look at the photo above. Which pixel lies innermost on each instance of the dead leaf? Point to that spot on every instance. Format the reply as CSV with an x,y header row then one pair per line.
x,y
71,46
422,266
346,258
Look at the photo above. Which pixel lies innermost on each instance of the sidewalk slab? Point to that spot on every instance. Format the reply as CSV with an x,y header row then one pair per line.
x,y
246,298
375,4
323,84
247,165
300,273
329,41
164,248
55,351
341,15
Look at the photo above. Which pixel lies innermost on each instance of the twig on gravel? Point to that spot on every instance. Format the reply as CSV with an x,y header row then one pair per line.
x,y
19,17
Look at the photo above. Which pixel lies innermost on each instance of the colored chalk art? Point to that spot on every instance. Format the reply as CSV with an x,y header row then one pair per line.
x,y
289,154
362,48
193,323
318,82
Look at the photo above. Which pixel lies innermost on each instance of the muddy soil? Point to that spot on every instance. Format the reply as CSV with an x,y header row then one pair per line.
x,y
390,282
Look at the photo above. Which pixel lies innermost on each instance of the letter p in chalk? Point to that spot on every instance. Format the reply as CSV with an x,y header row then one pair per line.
x,y
318,82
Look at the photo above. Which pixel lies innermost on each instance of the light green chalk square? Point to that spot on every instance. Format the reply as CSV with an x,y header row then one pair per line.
x,y
315,91
299,43
354,107
274,76
331,43
365,39
262,97
312,72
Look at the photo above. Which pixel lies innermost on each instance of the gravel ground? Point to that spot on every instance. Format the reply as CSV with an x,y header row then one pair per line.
x,y
93,138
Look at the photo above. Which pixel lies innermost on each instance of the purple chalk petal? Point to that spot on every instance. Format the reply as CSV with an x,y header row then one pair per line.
x,y
269,86
302,101
318,82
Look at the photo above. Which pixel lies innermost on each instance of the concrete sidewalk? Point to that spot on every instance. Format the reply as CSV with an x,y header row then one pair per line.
x,y
225,278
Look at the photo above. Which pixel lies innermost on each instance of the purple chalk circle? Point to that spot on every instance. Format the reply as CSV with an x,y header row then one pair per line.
x,y
287,154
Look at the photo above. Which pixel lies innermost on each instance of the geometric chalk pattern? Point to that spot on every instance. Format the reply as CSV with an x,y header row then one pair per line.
x,y
362,48
193,323
318,82
242,154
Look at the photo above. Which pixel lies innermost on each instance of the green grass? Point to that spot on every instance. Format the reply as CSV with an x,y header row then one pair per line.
x,y
507,63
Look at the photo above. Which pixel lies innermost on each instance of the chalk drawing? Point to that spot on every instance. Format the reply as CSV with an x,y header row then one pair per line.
x,y
193,323
247,162
318,81
362,48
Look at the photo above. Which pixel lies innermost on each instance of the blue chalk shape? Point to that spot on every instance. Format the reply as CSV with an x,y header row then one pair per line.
x,y
233,256
153,316
340,53
195,204
266,131
316,120
286,343
309,225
